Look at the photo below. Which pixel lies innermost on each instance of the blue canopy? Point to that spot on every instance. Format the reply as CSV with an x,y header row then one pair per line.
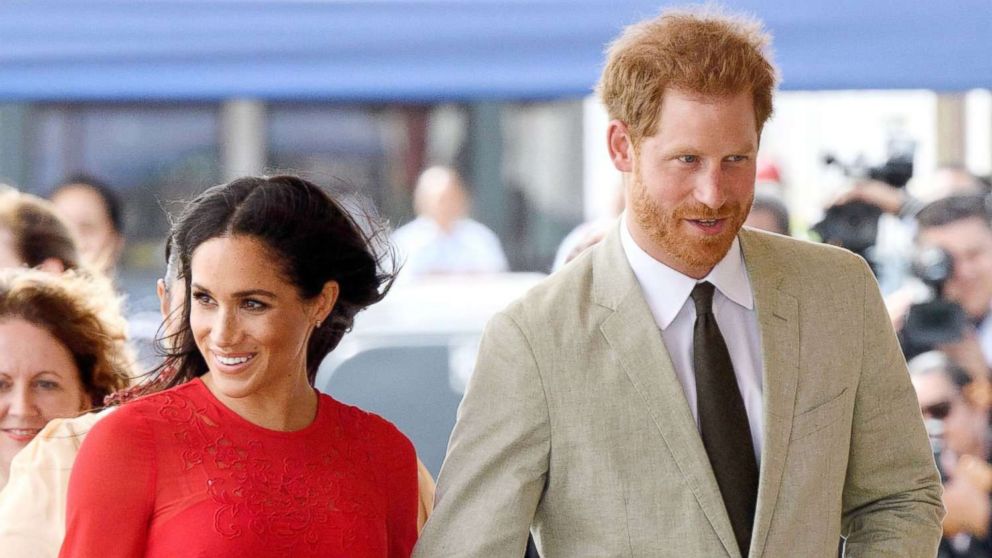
x,y
437,50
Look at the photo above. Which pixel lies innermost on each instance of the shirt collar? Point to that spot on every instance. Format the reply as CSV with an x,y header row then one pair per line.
x,y
666,289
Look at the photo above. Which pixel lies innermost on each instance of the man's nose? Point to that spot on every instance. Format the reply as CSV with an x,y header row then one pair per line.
x,y
709,189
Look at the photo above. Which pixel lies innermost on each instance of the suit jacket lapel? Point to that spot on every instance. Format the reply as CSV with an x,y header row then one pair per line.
x,y
778,319
633,334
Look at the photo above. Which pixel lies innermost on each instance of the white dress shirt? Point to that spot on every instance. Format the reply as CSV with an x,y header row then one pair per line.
x,y
667,293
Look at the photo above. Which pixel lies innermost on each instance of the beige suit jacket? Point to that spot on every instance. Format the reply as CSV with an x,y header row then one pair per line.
x,y
575,427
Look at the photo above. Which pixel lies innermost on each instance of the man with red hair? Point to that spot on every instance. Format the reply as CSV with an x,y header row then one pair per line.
x,y
687,387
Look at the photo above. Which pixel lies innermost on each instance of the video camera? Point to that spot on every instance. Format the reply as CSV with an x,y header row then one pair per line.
x,y
854,225
938,320
896,171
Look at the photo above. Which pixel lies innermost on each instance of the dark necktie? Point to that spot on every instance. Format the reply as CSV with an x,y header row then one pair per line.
x,y
723,419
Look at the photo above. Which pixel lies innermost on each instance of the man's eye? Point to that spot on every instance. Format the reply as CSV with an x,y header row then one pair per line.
x,y
688,158
737,158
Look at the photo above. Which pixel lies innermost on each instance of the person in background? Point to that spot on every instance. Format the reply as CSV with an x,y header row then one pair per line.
x,y
62,350
959,430
32,235
443,239
94,214
955,180
250,460
589,233
768,213
961,226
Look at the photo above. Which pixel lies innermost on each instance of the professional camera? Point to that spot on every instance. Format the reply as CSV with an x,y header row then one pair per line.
x,y
895,171
854,225
938,320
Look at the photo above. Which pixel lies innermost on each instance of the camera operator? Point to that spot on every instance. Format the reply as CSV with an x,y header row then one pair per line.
x,y
962,226
873,218
959,432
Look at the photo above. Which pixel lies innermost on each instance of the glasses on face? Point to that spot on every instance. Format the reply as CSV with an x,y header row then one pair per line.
x,y
937,411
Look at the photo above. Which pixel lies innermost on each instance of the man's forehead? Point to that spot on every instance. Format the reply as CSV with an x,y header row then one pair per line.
x,y
686,99
933,387
951,234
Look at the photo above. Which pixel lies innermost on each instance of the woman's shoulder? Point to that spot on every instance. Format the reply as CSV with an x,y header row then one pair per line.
x,y
61,429
161,406
360,424
141,428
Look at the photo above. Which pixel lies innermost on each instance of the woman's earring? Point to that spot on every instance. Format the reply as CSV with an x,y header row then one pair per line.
x,y
317,325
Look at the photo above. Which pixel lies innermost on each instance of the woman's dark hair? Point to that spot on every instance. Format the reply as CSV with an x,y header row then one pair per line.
x,y
313,239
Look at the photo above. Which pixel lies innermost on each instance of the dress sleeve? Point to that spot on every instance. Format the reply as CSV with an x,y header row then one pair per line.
x,y
402,485
112,490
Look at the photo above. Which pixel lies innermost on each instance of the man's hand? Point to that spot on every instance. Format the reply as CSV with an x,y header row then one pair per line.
x,y
888,198
968,508
898,304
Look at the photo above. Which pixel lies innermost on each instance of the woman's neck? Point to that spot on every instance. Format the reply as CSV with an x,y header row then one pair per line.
x,y
282,408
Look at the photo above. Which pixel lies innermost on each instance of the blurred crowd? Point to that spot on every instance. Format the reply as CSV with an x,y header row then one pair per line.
x,y
64,348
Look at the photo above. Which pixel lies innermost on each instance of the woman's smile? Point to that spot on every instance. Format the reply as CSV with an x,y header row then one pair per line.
x,y
232,363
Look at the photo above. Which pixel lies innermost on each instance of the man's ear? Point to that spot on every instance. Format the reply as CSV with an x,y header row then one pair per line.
x,y
621,146
325,301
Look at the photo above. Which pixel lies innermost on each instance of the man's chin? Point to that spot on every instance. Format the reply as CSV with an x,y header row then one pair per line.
x,y
703,261
694,252
701,255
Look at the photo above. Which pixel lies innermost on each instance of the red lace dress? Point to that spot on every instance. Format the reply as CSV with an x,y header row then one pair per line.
x,y
179,474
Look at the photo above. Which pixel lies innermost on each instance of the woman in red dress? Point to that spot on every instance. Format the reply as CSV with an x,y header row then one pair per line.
x,y
245,458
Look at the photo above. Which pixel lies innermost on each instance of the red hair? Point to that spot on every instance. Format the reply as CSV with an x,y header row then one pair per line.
x,y
702,52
